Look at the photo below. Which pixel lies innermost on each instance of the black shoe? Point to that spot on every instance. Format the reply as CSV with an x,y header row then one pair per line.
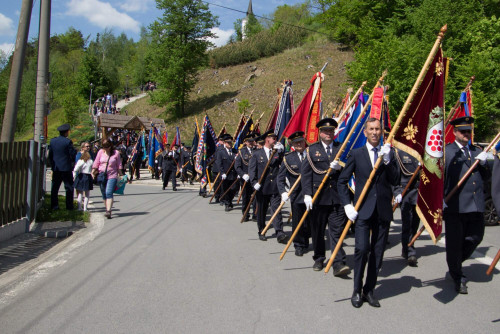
x,y
341,270
356,300
371,299
262,237
217,201
175,189
404,255
318,265
254,218
162,188
461,287
412,261
246,219
281,238
299,252
228,208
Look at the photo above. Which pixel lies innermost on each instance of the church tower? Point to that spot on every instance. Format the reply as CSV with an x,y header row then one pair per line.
x,y
244,22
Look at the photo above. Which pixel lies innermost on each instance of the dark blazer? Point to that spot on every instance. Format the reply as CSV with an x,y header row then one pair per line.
x,y
62,154
168,163
242,161
290,169
223,161
379,195
185,156
311,180
215,168
470,197
258,162
407,165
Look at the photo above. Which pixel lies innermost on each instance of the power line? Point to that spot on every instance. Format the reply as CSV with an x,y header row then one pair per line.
x,y
266,18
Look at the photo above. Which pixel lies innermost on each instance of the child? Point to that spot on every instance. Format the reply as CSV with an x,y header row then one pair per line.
x,y
83,180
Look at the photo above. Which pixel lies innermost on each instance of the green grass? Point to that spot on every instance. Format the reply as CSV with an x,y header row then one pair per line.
x,y
45,214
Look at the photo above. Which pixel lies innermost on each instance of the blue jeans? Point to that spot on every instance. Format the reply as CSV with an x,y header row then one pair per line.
x,y
107,188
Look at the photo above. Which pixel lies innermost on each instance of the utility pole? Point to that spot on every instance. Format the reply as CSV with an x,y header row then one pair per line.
x,y
42,77
16,73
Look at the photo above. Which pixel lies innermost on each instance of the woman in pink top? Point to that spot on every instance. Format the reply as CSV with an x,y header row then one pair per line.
x,y
108,160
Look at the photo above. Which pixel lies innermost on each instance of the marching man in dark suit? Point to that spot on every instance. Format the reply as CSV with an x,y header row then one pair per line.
x,y
241,166
169,166
375,213
224,159
409,216
290,170
267,192
327,209
463,214
62,157
215,169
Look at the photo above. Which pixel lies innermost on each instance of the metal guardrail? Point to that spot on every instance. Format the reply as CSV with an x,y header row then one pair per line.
x,y
22,177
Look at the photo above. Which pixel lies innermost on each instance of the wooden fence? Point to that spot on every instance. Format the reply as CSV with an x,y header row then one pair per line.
x,y
22,168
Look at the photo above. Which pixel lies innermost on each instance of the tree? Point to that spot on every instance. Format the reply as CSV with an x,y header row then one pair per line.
x,y
178,50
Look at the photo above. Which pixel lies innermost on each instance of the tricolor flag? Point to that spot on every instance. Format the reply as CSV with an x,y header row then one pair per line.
x,y
464,109
155,147
177,138
421,135
285,111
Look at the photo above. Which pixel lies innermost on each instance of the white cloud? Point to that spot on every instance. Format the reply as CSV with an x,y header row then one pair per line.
x,y
102,14
6,26
222,36
136,5
7,48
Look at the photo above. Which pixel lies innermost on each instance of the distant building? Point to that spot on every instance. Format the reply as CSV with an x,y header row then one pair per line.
x,y
244,22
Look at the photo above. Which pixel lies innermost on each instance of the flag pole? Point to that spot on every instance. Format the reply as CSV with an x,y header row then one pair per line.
x,y
395,128
405,190
337,157
220,184
296,183
493,263
353,100
458,185
225,193
241,192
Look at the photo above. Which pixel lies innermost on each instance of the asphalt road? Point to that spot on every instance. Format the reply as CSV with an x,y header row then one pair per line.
x,y
169,262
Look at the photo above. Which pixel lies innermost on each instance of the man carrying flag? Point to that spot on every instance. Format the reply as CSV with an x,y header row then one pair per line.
x,y
170,157
241,167
224,162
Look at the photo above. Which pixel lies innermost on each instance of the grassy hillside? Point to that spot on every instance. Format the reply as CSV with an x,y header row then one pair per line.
x,y
220,102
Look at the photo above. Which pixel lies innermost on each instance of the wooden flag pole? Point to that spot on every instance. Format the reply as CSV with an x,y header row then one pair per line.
x,y
220,184
213,183
337,157
353,100
241,192
493,264
224,194
281,206
413,91
405,190
457,186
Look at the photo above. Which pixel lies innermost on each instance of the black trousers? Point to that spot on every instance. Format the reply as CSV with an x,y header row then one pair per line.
x,y
464,232
216,185
57,179
227,185
245,197
302,238
169,175
263,202
336,218
369,250
410,222
135,168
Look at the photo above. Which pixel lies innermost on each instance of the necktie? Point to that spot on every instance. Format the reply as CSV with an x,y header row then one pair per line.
x,y
466,152
329,152
375,155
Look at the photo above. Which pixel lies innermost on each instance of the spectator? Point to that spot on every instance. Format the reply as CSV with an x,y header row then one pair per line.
x,y
83,179
108,161
85,147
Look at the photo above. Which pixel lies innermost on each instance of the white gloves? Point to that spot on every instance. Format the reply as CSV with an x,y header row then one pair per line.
x,y
246,177
223,176
170,153
350,212
180,170
384,151
335,165
74,175
284,197
239,177
482,158
256,186
308,201
279,147
156,161
398,199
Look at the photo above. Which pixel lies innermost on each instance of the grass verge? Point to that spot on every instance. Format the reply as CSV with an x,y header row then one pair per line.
x,y
46,214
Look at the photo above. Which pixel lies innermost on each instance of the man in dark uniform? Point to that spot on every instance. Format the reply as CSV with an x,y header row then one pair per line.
x,y
134,167
241,166
290,170
224,161
375,213
62,158
267,192
327,209
169,166
215,169
463,213
185,158
409,216
188,165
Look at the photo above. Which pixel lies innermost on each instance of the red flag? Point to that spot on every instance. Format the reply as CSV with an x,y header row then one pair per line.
x,y
303,118
378,98
421,135
272,120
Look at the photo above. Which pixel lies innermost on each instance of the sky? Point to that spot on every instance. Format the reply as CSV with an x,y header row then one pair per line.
x,y
94,16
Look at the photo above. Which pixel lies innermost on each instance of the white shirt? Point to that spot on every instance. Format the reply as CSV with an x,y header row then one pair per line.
x,y
83,167
325,146
371,153
267,150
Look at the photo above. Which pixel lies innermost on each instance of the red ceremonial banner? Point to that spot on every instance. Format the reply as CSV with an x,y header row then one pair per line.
x,y
311,130
421,135
299,119
378,99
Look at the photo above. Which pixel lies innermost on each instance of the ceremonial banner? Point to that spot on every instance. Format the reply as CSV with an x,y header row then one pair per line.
x,y
285,111
196,139
165,138
143,146
177,138
243,133
462,111
241,124
495,180
303,118
272,120
376,107
421,135
206,149
155,147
